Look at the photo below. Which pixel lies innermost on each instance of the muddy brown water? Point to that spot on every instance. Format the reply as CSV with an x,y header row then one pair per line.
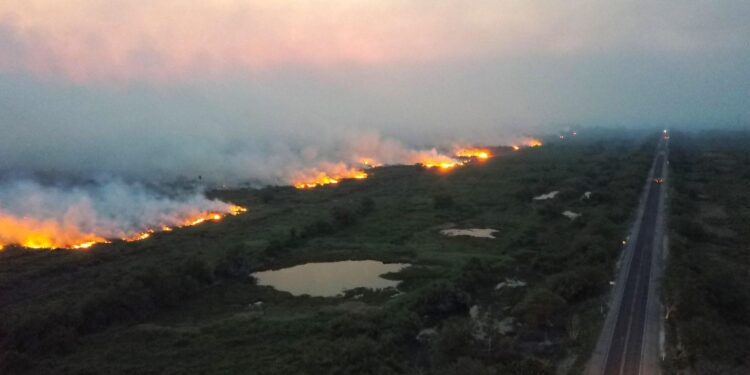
x,y
328,279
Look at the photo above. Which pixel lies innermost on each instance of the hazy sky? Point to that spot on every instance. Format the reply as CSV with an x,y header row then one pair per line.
x,y
253,89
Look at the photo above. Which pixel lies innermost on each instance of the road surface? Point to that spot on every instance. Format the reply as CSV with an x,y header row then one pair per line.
x,y
629,340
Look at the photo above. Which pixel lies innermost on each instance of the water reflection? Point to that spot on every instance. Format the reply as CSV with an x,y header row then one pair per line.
x,y
329,279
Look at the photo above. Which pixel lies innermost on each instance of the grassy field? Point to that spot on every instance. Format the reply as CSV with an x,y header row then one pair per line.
x,y
707,284
178,302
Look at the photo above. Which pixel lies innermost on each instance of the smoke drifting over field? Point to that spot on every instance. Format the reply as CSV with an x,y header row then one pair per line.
x,y
163,135
35,215
259,90
271,92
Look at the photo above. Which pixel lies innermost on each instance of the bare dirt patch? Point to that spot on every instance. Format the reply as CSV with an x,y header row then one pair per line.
x,y
474,232
549,195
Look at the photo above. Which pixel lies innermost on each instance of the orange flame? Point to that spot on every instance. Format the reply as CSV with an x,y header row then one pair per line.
x,y
41,234
86,245
331,174
47,234
527,142
433,159
441,165
532,142
477,153
370,163
138,236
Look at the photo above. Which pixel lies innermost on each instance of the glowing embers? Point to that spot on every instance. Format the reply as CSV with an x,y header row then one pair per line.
x,y
49,234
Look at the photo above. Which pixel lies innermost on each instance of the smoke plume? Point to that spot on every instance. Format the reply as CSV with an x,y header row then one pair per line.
x,y
44,216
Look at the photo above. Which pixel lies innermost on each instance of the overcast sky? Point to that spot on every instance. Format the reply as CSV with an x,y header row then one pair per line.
x,y
249,90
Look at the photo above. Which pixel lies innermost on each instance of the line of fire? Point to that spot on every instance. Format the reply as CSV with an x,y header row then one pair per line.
x,y
33,234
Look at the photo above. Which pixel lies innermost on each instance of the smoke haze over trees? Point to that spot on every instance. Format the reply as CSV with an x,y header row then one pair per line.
x,y
253,91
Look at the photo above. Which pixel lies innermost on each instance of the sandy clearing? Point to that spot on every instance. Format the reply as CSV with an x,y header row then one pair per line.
x,y
473,232
510,283
549,195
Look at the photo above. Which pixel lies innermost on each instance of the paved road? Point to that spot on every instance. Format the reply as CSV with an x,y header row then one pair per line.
x,y
628,329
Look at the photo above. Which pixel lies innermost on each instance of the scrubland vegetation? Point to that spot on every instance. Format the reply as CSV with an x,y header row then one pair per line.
x,y
707,287
183,302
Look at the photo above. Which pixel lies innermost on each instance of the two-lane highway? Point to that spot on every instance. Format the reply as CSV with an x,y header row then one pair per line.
x,y
620,350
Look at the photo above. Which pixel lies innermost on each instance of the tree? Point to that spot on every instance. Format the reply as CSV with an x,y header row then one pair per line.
x,y
579,283
441,300
343,217
454,340
538,306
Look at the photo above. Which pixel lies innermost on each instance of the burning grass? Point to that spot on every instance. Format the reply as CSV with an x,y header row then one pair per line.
x,y
333,173
474,153
324,178
527,142
51,234
532,142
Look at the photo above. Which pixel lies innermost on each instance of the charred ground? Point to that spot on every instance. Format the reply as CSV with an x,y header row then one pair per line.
x,y
178,302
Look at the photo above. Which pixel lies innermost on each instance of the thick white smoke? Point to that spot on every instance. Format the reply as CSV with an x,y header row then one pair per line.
x,y
39,215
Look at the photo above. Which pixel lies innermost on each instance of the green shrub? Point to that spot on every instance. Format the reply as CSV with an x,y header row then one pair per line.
x,y
538,306
453,341
579,283
199,270
441,300
343,217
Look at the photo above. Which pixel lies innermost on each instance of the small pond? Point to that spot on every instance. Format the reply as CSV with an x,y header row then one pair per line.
x,y
329,279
